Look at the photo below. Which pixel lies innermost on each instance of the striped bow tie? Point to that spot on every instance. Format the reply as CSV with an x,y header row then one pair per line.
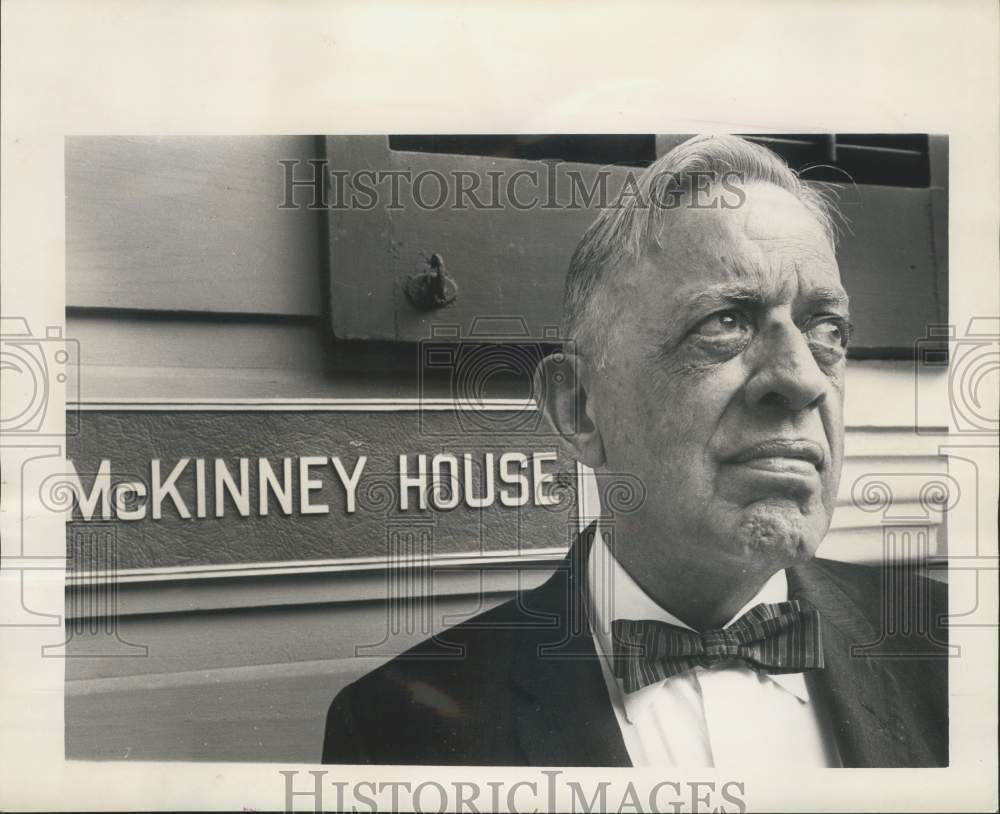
x,y
776,638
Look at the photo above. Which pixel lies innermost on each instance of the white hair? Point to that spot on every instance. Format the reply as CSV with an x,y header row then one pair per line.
x,y
621,235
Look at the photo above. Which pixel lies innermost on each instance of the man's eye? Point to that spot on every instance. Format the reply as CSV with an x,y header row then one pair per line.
x,y
723,325
830,333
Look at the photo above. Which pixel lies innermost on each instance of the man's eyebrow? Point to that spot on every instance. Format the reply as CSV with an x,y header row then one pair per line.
x,y
830,297
724,293
751,294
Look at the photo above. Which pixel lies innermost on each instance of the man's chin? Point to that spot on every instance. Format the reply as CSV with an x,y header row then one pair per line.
x,y
776,528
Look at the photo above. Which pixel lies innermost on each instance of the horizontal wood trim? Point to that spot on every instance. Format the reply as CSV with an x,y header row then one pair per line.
x,y
189,223
157,591
850,517
861,544
303,405
127,357
868,546
873,401
95,383
342,566
123,341
224,638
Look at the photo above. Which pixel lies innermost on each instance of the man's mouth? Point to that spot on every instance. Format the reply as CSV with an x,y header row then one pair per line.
x,y
781,455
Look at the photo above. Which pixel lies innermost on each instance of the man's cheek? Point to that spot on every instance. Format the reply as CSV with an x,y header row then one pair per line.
x,y
696,412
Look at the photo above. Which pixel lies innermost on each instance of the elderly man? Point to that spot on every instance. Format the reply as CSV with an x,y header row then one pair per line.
x,y
709,330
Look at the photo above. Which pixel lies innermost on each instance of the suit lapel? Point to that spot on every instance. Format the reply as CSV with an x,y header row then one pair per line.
x,y
563,715
562,712
858,698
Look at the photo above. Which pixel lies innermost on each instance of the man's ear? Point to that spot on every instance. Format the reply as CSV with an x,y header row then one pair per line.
x,y
562,381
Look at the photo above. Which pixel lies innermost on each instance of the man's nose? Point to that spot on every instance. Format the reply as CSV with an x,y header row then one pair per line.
x,y
785,374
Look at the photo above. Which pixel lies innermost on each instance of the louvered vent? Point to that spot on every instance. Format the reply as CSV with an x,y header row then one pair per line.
x,y
894,160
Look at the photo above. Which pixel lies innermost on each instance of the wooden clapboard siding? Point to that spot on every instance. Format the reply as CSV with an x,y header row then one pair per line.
x,y
126,356
246,612
259,713
248,586
181,345
129,357
189,224
252,685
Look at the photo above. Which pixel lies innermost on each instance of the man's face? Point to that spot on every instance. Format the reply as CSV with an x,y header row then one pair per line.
x,y
723,384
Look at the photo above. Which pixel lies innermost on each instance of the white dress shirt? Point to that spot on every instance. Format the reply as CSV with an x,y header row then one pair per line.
x,y
722,716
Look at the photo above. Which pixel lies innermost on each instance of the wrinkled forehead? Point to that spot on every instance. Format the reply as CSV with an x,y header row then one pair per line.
x,y
765,238
763,214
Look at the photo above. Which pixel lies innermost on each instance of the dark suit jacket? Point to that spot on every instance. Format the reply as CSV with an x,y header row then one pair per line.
x,y
521,684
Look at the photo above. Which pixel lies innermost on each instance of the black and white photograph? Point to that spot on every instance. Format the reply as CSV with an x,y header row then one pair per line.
x,y
413,463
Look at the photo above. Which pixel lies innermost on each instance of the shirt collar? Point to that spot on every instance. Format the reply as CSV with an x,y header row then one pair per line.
x,y
614,594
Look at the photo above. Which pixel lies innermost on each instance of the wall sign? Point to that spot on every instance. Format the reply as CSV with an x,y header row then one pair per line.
x,y
214,487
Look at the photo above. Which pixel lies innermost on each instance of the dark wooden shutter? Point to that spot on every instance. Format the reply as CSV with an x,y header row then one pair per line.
x,y
511,263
